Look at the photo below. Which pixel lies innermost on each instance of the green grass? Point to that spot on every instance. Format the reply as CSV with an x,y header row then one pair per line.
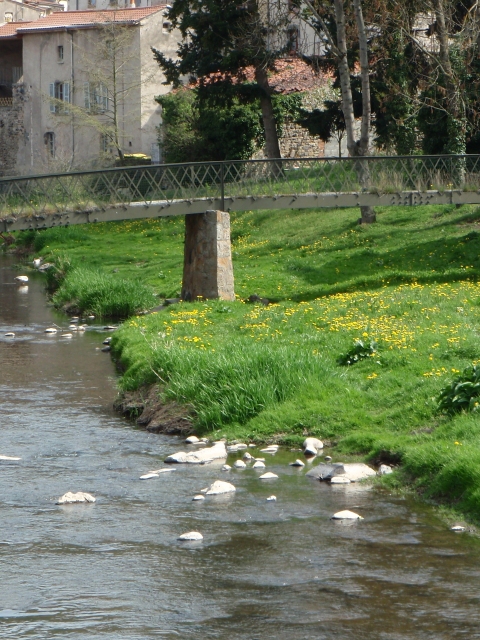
x,y
408,282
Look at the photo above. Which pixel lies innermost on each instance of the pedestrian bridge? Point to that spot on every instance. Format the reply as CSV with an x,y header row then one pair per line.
x,y
62,199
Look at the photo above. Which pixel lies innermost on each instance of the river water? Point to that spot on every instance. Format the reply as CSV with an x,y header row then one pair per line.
x,y
115,570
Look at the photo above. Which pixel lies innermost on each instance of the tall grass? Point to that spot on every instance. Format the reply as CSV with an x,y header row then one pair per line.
x,y
92,292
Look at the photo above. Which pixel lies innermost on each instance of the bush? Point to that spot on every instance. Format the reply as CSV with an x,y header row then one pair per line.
x,y
360,351
92,292
463,393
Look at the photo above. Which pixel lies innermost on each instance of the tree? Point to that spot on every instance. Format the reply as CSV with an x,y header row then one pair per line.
x,y
326,24
222,39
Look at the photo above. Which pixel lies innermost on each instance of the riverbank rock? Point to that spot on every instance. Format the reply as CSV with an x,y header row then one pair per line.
x,y
346,515
354,471
191,535
145,407
311,446
384,470
217,452
268,476
219,487
74,498
192,440
297,463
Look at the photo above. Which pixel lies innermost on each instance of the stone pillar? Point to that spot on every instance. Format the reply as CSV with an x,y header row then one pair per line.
x,y
207,266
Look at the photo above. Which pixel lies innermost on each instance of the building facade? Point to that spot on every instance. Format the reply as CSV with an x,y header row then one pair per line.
x,y
82,87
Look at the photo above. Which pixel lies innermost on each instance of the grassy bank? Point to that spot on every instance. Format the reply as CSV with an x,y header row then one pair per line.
x,y
407,285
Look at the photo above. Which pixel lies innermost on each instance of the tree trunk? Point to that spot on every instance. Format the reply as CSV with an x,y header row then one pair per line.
x,y
344,73
272,146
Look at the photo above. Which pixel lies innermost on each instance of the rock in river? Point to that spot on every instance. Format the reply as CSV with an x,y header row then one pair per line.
x,y
192,440
239,464
311,446
73,498
219,487
191,535
9,458
216,452
259,465
268,476
346,515
297,463
351,471
384,469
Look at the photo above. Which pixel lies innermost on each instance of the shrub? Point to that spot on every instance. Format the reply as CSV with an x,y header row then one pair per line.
x,y
462,394
360,351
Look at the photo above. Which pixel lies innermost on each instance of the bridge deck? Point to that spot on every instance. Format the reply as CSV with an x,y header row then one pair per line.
x,y
37,202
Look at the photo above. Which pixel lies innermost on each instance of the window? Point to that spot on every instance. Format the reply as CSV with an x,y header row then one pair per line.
x,y
293,39
60,92
8,16
49,139
104,143
96,97
60,53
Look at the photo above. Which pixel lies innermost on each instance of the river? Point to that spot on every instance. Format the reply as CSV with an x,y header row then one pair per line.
x,y
115,569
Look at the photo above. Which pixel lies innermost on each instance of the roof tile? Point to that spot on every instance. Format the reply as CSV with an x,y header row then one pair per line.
x,y
72,19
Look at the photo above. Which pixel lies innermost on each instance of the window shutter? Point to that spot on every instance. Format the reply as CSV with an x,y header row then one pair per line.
x,y
66,94
86,91
52,95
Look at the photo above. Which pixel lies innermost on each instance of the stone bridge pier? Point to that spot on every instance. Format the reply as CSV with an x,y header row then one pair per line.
x,y
207,266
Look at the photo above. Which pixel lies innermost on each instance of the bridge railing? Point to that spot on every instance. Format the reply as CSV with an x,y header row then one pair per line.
x,y
102,189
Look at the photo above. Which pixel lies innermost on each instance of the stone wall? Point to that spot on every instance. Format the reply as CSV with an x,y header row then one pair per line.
x,y
11,129
296,142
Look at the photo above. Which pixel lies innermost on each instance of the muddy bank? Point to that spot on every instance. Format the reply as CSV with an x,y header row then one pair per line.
x,y
146,408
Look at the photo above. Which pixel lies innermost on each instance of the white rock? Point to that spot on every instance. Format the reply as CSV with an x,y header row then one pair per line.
x,y
247,456
216,452
346,515
163,470
260,459
191,535
297,463
267,476
328,458
259,465
457,527
198,497
233,448
51,330
384,469
272,499
356,471
340,480
72,498
81,327
9,458
239,464
73,327
204,440
311,446
273,448
147,476
252,446
192,440
37,262
219,487
226,467
10,334
22,279
91,317
67,335
74,319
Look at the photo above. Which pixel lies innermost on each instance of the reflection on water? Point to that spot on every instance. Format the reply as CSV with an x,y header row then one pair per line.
x,y
115,570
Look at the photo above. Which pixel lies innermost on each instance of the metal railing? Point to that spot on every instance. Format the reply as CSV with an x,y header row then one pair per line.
x,y
177,189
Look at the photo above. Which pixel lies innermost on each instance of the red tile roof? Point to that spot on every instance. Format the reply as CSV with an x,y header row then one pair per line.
x,y
9,30
85,19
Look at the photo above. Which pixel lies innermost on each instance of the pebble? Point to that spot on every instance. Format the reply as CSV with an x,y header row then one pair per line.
x,y
73,498
10,334
191,535
22,279
267,476
259,465
457,527
147,476
297,463
51,330
198,497
219,487
192,440
226,467
346,515
272,499
239,464
9,458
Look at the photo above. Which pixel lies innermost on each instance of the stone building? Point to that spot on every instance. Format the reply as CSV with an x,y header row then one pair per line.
x,y
57,110
27,10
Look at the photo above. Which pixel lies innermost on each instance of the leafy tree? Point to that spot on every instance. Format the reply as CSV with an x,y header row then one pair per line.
x,y
221,40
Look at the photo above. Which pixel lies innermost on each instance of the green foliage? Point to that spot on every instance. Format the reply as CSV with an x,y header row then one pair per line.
x,y
193,130
463,393
91,292
360,351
